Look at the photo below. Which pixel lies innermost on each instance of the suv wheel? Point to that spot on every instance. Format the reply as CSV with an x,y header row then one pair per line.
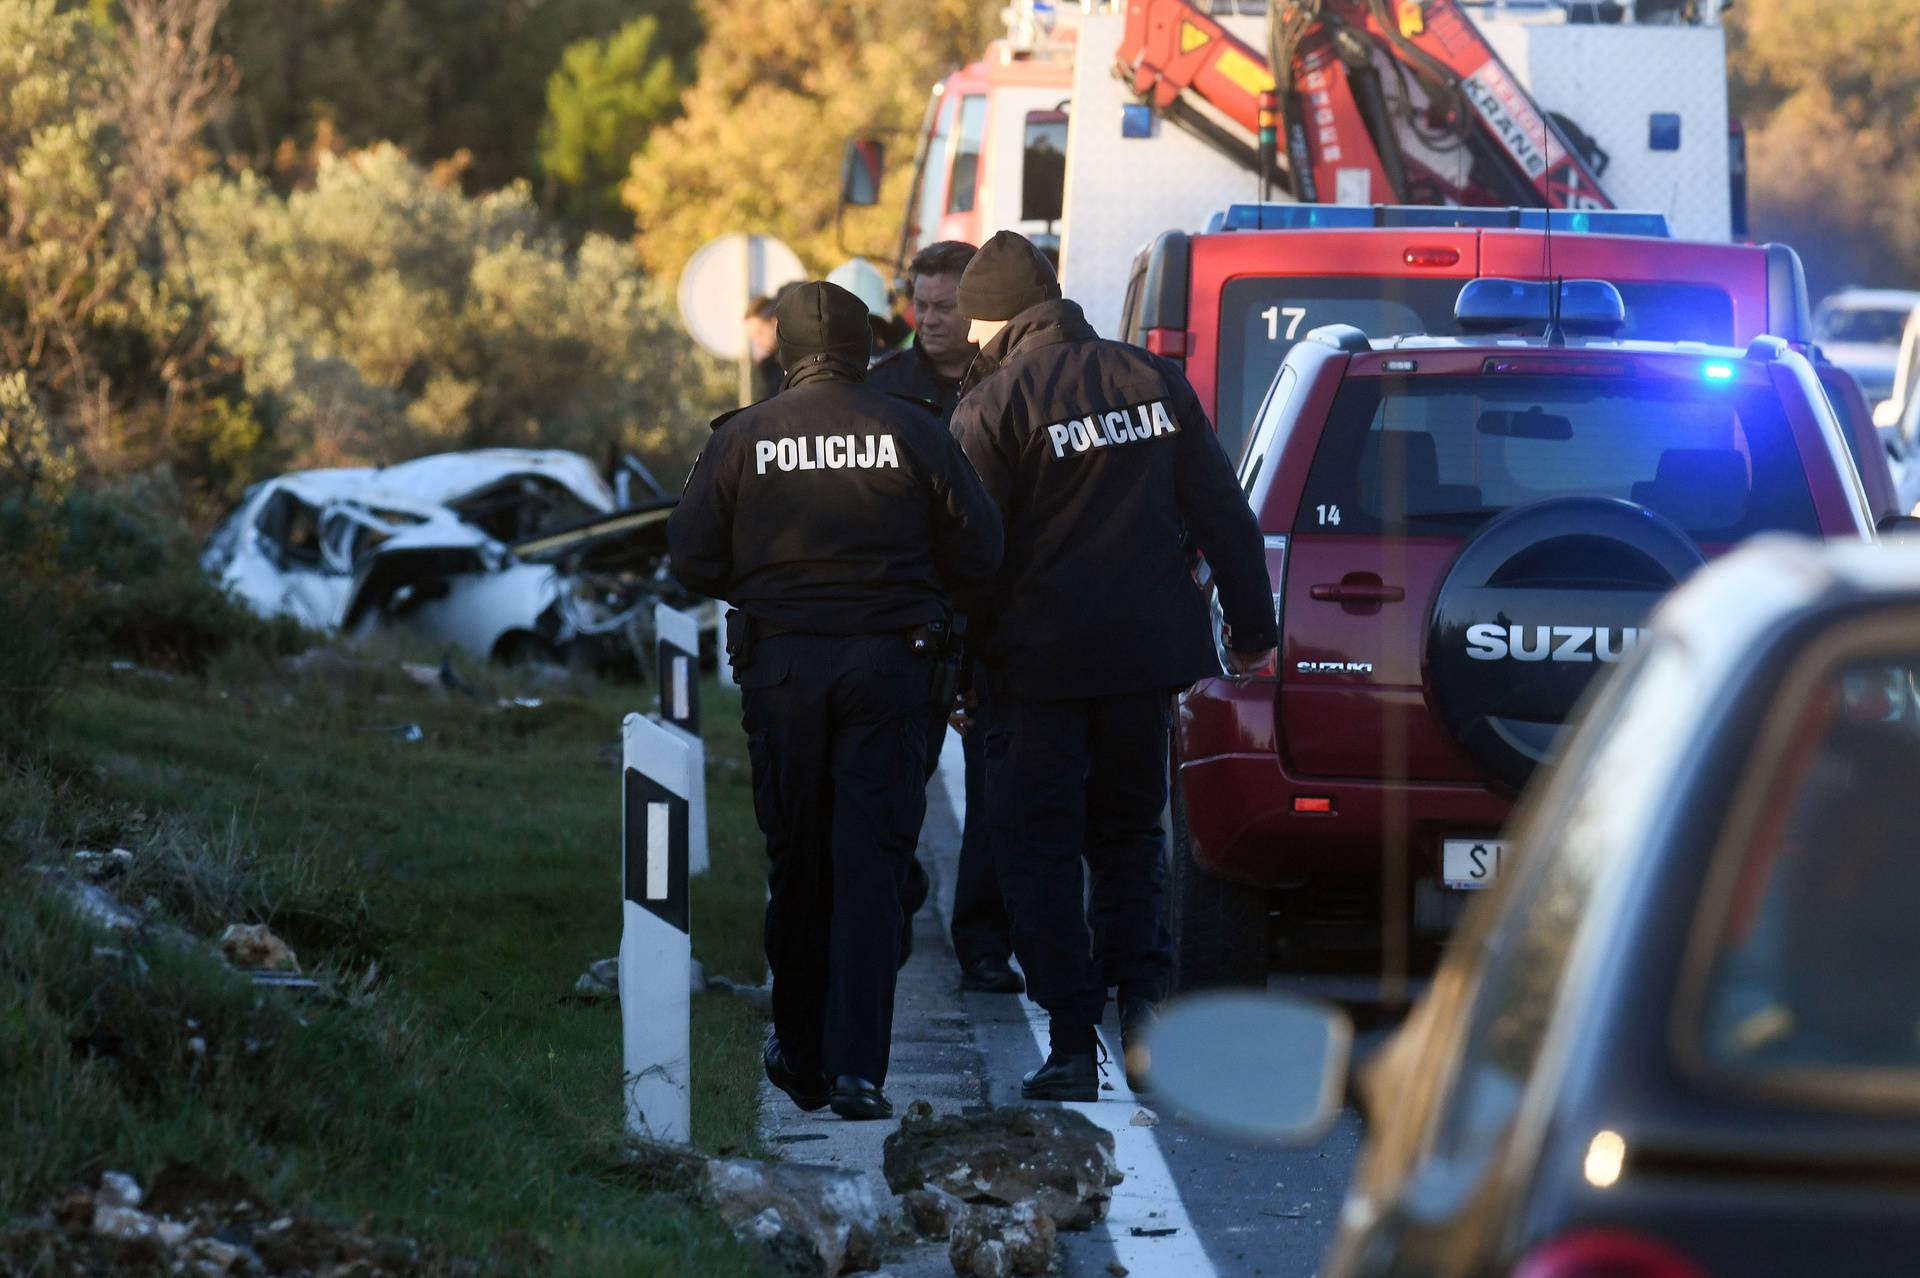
x,y
1219,926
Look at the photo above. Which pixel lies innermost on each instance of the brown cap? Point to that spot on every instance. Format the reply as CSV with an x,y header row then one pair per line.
x,y
1006,276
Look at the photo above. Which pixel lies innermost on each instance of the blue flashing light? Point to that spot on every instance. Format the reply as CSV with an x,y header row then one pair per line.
x,y
1717,372
1297,217
1136,120
1318,217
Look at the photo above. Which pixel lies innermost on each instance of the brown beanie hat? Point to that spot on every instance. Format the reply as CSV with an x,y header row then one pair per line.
x,y
1006,276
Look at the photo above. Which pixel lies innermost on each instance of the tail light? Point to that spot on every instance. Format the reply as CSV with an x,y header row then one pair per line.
x,y
1276,576
1171,342
1431,255
1606,1253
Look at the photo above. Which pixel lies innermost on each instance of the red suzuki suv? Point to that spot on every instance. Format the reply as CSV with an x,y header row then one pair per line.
x,y
1461,532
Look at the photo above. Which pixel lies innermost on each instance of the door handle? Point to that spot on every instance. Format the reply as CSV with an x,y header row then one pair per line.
x,y
1357,592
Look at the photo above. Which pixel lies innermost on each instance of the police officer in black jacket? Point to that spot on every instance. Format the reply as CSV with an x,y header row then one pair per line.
x,y
1104,468
842,524
932,370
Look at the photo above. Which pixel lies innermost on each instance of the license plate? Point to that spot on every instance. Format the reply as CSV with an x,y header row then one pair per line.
x,y
1471,863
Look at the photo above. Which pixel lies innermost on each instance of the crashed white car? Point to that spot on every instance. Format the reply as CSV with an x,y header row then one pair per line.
x,y
515,555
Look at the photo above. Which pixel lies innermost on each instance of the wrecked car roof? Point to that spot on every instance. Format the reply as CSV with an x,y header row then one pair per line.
x,y
445,478
426,485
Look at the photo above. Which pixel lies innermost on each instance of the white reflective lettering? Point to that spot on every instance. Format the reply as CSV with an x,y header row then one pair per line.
x,y
1487,642
835,451
762,454
889,456
1119,429
1162,424
1058,433
1571,638
1542,641
1081,440
1603,646
789,454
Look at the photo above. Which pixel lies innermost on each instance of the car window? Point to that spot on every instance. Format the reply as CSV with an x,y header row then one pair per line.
x,y
933,190
1440,455
1262,440
1877,326
290,528
1815,958
966,154
1261,317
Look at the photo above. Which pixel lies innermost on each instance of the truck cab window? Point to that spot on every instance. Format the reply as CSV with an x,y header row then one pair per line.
x,y
966,154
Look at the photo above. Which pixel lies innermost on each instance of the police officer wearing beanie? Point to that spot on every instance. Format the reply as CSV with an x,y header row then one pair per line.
x,y
1105,469
843,525
932,370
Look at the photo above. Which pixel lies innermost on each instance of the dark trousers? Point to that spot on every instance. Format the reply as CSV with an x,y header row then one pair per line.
x,y
836,729
981,929
1073,782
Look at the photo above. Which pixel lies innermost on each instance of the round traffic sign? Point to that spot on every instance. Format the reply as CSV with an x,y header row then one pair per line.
x,y
722,278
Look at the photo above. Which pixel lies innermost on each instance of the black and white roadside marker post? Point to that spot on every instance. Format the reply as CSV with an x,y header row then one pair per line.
x,y
677,667
677,670
655,940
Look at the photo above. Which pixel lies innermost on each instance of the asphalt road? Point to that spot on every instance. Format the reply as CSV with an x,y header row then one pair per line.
x,y
1193,1204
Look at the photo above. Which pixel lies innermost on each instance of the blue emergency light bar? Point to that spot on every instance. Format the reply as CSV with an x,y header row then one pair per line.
x,y
1586,306
1355,217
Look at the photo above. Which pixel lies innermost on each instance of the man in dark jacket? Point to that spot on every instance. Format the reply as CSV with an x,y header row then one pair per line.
x,y
931,370
1104,466
841,524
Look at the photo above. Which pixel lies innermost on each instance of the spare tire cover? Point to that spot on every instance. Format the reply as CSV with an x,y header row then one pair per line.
x,y
1542,598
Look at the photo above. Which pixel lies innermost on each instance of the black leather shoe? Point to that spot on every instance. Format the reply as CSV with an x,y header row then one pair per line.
x,y
808,1091
1065,1077
856,1098
991,976
1137,1019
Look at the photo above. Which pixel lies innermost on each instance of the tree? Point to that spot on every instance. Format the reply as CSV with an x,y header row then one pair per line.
x,y
436,77
381,314
604,99
99,127
1832,105
780,85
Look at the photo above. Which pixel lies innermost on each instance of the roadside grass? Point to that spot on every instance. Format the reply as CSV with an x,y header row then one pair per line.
x,y
453,887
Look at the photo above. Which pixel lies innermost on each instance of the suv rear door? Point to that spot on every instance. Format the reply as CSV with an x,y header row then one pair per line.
x,y
1406,467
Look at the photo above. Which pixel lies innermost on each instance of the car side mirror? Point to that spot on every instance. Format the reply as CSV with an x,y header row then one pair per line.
x,y
863,165
1901,526
1265,1068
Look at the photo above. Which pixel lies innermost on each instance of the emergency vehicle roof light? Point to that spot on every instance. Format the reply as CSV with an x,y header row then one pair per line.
x,y
1343,337
1318,217
1586,306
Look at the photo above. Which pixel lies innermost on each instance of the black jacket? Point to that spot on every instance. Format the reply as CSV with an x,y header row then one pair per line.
x,y
1103,465
910,372
834,509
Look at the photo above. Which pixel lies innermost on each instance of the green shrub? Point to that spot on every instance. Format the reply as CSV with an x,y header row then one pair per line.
x,y
33,650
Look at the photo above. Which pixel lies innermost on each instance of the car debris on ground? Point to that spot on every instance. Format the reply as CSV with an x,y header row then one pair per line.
x,y
521,556
252,946
191,1222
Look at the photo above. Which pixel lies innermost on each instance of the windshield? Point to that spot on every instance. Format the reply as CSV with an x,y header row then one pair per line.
x,y
1817,962
1439,455
1261,317
1873,326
